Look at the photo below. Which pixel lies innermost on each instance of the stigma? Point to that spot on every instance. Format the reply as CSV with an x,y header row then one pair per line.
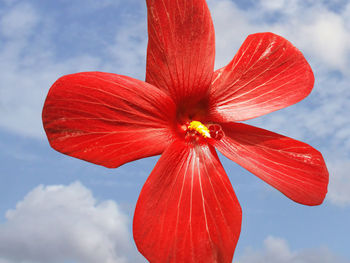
x,y
200,128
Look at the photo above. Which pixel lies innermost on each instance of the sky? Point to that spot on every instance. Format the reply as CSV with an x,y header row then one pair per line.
x,y
58,209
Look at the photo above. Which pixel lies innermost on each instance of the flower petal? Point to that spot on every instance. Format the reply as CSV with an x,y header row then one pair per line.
x,y
106,118
187,210
292,167
268,73
181,47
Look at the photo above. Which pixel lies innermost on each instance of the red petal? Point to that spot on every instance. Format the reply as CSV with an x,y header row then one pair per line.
x,y
181,47
294,168
187,210
106,118
268,73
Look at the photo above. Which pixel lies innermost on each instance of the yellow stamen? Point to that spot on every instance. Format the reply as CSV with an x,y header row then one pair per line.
x,y
200,128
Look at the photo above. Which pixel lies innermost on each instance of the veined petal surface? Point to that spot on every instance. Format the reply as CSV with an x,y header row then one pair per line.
x,y
268,73
107,119
292,167
181,47
187,211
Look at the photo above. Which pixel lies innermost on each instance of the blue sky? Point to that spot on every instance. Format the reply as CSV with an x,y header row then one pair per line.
x,y
58,209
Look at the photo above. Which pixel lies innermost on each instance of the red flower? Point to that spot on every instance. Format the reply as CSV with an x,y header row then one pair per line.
x,y
187,210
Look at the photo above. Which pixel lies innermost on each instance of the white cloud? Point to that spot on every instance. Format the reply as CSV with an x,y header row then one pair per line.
x,y
232,26
277,250
90,5
339,186
30,61
64,223
321,33
129,49
19,21
276,5
314,28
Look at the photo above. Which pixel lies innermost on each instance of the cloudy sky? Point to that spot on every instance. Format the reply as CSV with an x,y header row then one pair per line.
x,y
55,208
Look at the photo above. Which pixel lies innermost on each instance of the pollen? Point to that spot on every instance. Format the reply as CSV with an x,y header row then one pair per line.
x,y
200,128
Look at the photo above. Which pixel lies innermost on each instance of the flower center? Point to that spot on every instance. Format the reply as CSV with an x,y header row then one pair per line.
x,y
200,128
197,131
